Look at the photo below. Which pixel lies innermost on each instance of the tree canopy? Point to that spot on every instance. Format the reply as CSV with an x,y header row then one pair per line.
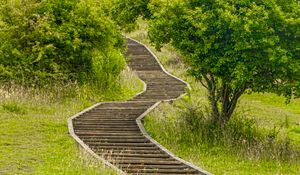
x,y
234,47
66,40
126,12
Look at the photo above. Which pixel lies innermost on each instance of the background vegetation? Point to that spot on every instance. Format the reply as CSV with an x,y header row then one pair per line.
x,y
43,42
56,58
262,138
257,140
59,57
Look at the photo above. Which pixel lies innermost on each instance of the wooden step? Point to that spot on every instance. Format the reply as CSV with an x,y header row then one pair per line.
x,y
115,140
122,147
105,123
136,99
147,162
142,60
93,132
165,171
135,68
100,128
125,104
109,116
123,144
113,111
122,108
133,151
132,155
101,119
112,137
141,167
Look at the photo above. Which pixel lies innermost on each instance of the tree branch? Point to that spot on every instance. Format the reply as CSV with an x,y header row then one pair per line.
x,y
233,102
212,95
203,84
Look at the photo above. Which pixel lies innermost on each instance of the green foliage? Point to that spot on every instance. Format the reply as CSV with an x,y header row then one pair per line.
x,y
234,46
188,132
175,129
241,134
34,130
13,107
126,12
42,41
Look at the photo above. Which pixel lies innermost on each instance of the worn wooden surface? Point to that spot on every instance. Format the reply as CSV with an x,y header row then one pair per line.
x,y
114,132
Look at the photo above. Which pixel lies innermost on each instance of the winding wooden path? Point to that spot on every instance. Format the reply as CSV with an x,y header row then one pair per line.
x,y
113,131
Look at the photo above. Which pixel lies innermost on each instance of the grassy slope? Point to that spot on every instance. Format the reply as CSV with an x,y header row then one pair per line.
x,y
268,110
34,136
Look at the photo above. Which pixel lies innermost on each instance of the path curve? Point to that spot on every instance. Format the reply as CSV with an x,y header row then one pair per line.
x,y
113,131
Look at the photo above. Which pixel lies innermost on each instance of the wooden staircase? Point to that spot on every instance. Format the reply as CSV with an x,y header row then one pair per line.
x,y
113,131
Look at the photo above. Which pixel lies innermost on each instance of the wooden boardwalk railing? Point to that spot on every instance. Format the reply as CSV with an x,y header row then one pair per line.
x,y
113,131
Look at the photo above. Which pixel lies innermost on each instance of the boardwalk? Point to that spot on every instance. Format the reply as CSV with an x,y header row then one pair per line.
x,y
113,131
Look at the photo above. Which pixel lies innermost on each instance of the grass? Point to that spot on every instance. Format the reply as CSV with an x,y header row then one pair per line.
x,y
231,153
34,136
270,117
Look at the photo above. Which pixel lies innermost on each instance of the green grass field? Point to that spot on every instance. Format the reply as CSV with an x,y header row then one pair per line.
x,y
34,135
269,112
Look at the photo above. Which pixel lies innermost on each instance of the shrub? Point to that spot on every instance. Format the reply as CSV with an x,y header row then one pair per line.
x,y
43,41
126,12
241,134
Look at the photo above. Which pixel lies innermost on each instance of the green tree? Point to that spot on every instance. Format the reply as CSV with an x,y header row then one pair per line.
x,y
69,40
126,12
233,47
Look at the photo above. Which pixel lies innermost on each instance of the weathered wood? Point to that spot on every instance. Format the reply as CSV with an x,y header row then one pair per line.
x,y
113,131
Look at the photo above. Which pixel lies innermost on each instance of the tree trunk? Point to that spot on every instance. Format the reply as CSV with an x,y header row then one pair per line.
x,y
213,98
223,100
229,102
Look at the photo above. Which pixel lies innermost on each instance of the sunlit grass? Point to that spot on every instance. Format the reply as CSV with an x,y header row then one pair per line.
x,y
34,135
245,152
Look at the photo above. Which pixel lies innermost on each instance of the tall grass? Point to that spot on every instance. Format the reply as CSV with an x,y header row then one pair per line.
x,y
187,130
242,134
34,135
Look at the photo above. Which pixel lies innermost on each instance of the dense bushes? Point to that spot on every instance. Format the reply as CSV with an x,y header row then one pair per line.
x,y
126,12
42,41
187,127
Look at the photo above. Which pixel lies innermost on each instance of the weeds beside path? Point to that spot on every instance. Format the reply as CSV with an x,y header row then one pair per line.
x,y
34,135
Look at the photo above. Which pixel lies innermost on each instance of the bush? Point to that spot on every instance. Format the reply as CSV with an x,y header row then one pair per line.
x,y
44,41
241,134
126,12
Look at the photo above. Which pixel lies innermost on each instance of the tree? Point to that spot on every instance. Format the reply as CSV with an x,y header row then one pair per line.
x,y
126,12
69,40
233,47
